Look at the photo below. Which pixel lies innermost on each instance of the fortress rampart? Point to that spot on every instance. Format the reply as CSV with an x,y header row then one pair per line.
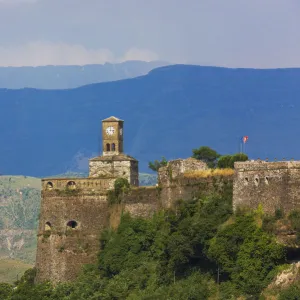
x,y
74,211
273,185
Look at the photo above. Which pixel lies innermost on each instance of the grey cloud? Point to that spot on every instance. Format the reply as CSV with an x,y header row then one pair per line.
x,y
47,53
232,33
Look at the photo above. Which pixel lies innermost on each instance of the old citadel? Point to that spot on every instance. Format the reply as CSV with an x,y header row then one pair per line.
x,y
74,211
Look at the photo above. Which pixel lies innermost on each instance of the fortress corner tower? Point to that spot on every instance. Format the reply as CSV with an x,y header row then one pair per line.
x,y
114,163
74,211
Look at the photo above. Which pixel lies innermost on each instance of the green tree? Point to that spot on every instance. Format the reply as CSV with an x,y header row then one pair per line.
x,y
224,161
5,290
246,254
207,155
258,256
227,161
154,166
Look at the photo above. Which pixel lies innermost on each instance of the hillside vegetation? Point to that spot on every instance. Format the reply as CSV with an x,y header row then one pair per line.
x,y
199,250
12,270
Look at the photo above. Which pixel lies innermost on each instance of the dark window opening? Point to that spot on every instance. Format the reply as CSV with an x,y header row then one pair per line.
x,y
107,147
71,185
267,180
72,224
246,179
113,147
48,226
49,185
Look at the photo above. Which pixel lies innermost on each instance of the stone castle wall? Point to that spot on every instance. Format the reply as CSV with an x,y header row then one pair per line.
x,y
62,250
274,185
73,214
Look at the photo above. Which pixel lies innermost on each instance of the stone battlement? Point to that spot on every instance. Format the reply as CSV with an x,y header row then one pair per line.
x,y
273,185
265,165
88,184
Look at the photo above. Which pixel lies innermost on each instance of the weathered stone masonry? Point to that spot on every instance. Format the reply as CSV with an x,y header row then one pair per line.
x,y
273,185
74,211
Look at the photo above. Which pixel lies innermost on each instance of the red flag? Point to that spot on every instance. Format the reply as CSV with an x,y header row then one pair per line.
x,y
245,139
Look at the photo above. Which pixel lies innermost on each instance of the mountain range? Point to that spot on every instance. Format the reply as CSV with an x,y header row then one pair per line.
x,y
66,77
167,112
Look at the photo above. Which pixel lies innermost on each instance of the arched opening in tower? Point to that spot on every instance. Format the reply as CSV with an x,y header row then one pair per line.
x,y
48,226
107,147
113,147
71,185
49,185
72,224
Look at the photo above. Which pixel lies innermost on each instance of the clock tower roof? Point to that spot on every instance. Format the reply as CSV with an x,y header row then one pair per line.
x,y
112,119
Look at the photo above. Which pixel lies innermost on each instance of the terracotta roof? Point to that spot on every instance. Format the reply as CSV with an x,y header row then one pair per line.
x,y
119,157
112,119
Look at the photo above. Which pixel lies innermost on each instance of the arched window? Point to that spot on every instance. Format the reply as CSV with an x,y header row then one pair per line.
x,y
49,185
48,226
71,185
107,147
113,147
72,224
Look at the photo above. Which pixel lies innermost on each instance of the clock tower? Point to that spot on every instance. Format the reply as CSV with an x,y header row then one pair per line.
x,y
112,136
114,163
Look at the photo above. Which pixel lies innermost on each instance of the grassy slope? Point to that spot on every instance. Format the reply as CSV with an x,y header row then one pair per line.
x,y
18,182
12,269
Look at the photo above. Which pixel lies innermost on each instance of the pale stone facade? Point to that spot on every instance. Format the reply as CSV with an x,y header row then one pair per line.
x,y
114,167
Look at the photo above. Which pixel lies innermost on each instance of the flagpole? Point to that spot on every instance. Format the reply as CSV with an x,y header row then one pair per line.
x,y
241,145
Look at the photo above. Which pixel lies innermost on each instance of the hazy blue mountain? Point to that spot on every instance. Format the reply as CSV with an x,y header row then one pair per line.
x,y
168,112
65,77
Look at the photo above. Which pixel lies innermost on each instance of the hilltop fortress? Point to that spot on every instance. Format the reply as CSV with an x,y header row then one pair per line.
x,y
74,211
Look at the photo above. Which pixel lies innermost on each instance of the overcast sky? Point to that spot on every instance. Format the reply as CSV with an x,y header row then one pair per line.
x,y
232,33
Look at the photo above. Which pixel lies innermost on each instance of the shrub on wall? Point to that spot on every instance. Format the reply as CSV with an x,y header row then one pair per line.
x,y
227,161
121,187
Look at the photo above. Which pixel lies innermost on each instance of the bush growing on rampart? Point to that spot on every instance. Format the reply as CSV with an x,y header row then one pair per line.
x,y
227,161
121,187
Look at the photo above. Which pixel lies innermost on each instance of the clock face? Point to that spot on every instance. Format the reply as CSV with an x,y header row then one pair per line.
x,y
110,130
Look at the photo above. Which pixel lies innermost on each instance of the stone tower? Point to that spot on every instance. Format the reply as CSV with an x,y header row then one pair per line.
x,y
114,163
112,133
74,211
